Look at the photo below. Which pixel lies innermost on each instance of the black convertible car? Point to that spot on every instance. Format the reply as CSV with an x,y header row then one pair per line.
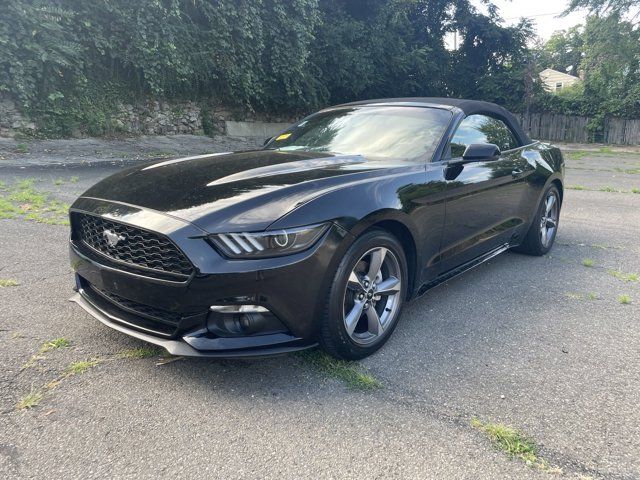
x,y
321,236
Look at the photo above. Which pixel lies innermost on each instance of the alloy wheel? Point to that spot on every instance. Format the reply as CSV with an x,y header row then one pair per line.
x,y
372,295
549,219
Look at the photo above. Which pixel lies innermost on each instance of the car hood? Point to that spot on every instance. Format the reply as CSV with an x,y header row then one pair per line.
x,y
233,191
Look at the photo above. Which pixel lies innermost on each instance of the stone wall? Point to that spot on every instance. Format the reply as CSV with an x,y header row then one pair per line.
x,y
159,117
11,120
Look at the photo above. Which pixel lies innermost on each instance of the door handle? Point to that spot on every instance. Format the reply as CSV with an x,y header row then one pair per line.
x,y
517,172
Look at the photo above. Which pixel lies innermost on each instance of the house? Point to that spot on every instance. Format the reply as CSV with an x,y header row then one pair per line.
x,y
555,81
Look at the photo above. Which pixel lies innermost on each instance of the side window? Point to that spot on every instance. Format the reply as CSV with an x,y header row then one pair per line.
x,y
481,129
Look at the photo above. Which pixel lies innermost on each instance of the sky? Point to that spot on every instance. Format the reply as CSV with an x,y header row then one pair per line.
x,y
543,12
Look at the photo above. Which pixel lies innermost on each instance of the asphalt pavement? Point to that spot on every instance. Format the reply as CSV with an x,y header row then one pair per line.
x,y
544,345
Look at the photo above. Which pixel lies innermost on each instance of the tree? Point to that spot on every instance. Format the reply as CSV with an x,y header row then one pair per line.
x,y
563,51
604,7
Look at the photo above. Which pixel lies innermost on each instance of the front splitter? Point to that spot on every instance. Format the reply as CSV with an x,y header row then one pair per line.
x,y
180,347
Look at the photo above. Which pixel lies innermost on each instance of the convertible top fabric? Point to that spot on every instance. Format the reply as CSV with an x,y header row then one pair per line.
x,y
469,107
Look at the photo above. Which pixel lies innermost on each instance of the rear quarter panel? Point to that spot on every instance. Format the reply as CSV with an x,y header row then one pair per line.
x,y
548,164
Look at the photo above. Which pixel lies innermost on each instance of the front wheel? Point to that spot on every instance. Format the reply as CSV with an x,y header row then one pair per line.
x,y
366,297
543,230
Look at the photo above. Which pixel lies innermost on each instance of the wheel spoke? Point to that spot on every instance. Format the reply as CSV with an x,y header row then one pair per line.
x,y
373,325
390,286
377,258
551,222
543,234
354,315
354,282
550,201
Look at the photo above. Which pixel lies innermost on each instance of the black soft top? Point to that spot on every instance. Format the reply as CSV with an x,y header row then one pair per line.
x,y
469,107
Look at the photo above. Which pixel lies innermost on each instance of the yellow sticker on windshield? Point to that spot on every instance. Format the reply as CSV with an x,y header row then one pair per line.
x,y
284,136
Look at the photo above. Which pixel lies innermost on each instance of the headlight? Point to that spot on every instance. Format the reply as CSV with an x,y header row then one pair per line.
x,y
275,243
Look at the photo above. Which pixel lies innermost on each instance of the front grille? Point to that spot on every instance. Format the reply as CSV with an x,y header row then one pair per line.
x,y
136,248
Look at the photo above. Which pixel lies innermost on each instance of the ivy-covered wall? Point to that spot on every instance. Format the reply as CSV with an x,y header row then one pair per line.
x,y
69,64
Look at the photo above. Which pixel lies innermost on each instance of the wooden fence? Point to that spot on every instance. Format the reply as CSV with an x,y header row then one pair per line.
x,y
563,128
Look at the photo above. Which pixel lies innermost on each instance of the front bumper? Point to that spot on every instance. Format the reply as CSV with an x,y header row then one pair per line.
x,y
179,346
291,288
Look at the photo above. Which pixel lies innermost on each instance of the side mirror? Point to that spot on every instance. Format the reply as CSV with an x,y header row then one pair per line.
x,y
481,152
267,140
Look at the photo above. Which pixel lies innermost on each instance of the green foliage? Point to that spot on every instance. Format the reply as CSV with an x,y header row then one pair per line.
x,y
70,63
603,6
351,373
516,445
606,51
22,200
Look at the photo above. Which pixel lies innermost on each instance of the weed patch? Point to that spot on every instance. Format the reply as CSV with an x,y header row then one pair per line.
x,y
54,344
625,277
46,347
22,200
588,262
351,373
577,154
21,148
611,189
514,443
8,282
30,400
143,352
77,368
624,299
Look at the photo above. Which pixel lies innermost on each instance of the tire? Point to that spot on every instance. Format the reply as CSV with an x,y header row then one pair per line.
x,y
533,243
351,291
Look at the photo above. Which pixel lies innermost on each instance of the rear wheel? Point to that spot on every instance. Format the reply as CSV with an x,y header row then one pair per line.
x,y
366,297
544,227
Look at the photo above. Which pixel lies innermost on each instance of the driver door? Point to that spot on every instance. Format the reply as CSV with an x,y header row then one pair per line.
x,y
483,198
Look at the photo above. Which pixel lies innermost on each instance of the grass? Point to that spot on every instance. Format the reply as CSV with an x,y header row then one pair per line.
x,y
509,440
610,189
30,400
58,181
74,179
143,352
77,368
8,282
606,188
22,200
625,277
624,299
630,171
54,344
577,154
588,262
21,148
592,296
8,209
44,348
351,373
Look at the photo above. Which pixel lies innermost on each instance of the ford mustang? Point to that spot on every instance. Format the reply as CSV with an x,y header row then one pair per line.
x,y
318,238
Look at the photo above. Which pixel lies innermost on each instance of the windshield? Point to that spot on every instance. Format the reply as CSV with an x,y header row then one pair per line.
x,y
378,133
